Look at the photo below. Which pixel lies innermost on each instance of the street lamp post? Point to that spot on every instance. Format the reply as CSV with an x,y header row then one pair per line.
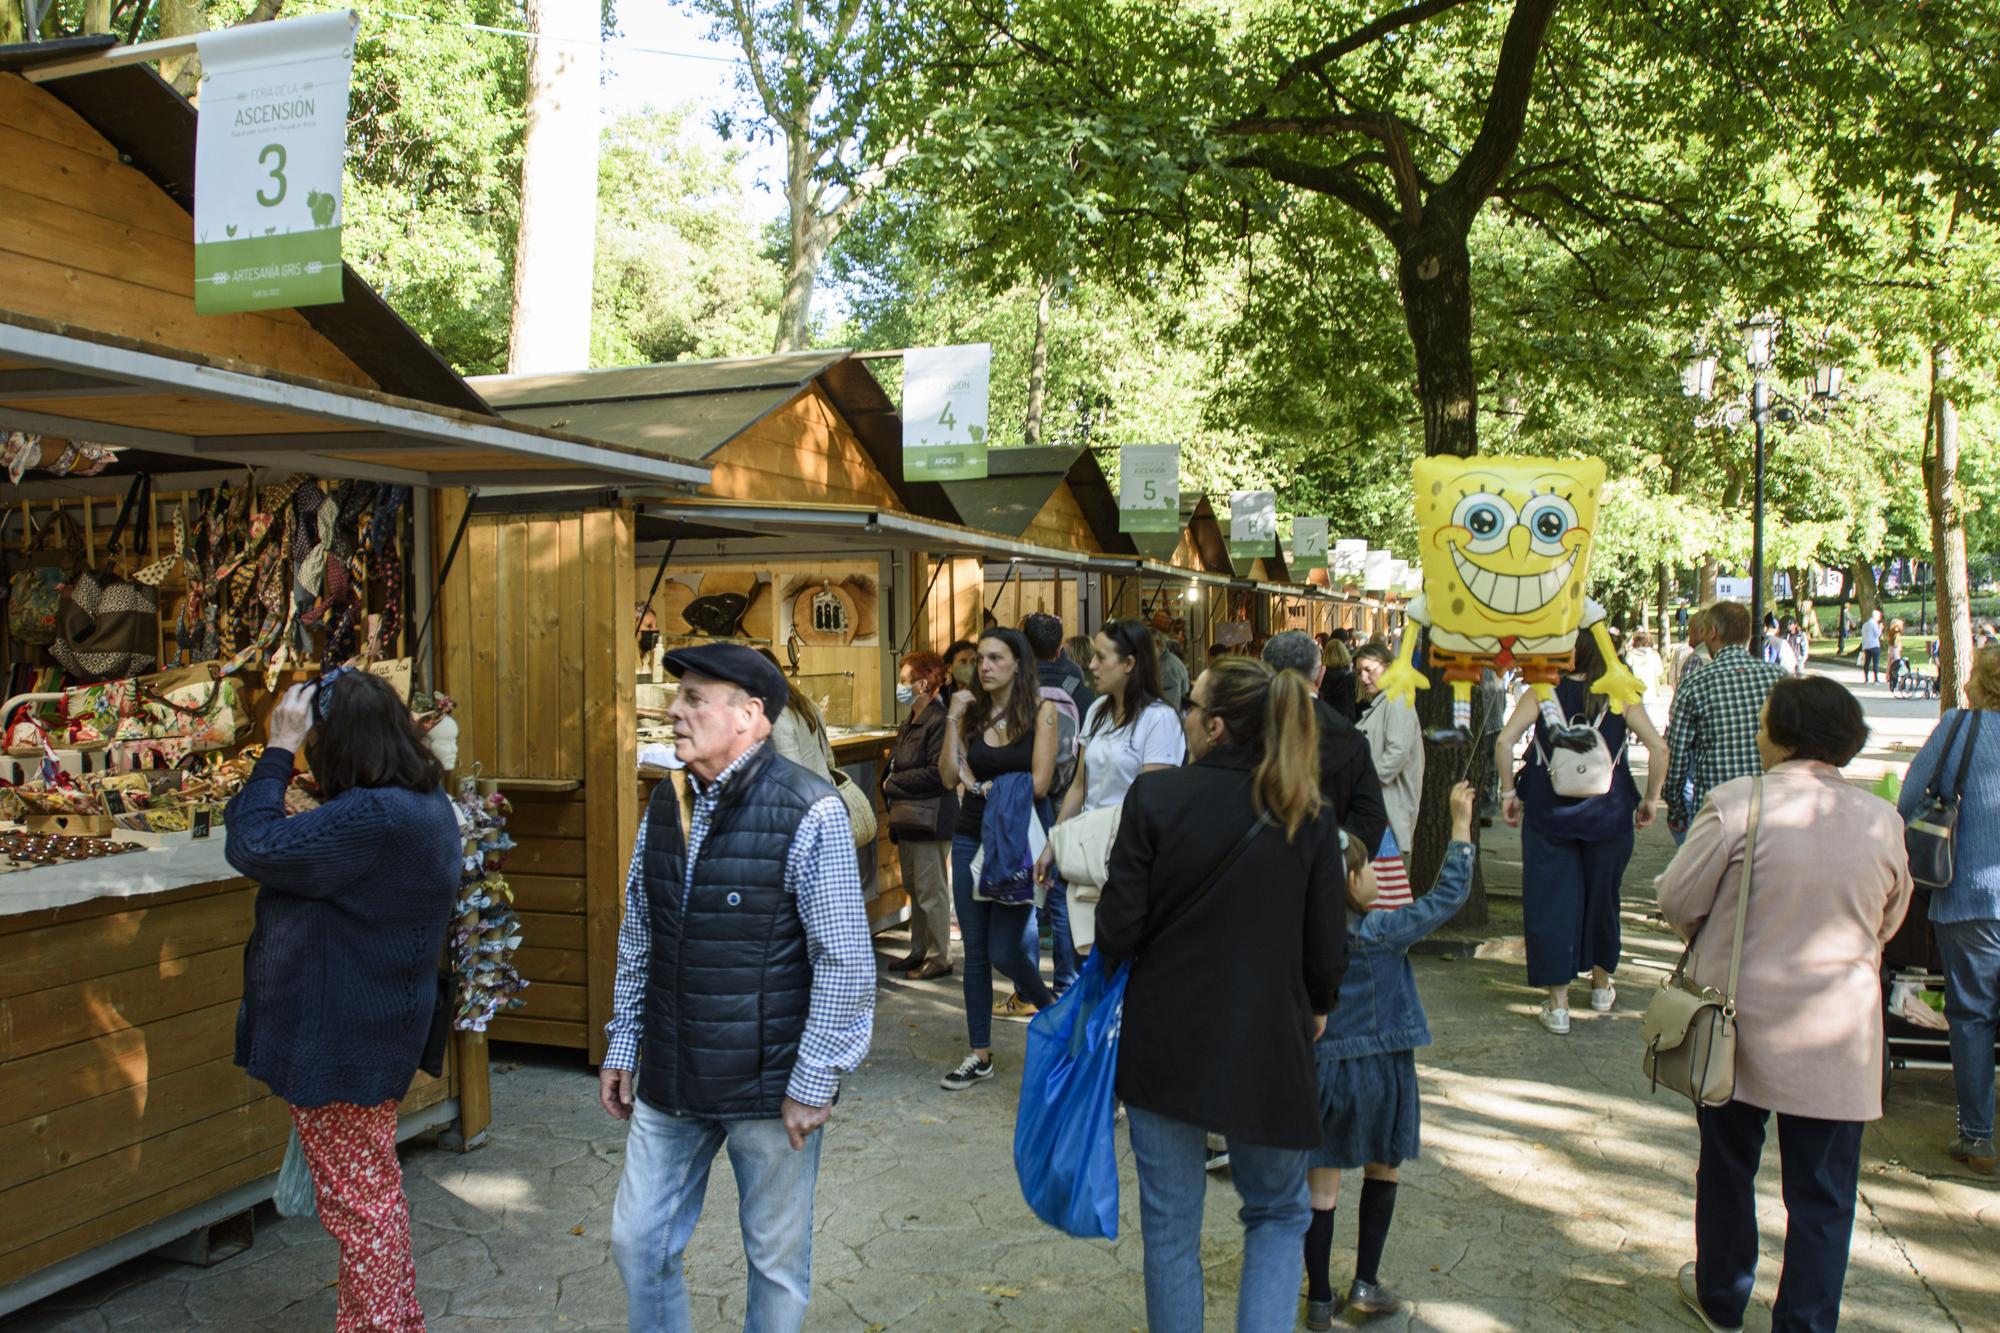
x,y
1758,332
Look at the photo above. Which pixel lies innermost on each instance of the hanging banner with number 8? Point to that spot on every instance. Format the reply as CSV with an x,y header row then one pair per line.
x,y
270,144
944,412
1149,488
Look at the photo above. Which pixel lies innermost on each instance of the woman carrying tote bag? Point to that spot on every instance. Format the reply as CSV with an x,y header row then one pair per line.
x,y
1808,998
1129,730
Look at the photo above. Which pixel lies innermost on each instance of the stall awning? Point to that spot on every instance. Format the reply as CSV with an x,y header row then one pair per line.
x,y
99,389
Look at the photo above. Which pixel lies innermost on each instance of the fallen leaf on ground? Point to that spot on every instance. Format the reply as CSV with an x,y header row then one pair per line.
x,y
576,1230
1006,1293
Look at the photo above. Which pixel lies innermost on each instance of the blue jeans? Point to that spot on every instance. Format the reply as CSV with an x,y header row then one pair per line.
x,y
1170,1155
659,1200
994,935
1062,944
1971,954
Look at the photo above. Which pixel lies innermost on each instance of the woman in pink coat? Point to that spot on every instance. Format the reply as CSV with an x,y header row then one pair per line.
x,y
1829,885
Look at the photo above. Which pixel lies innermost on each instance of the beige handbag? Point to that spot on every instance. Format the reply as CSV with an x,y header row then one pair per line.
x,y
1690,1029
1082,845
860,807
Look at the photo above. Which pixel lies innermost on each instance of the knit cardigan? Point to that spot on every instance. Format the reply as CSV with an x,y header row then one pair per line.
x,y
340,974
1974,894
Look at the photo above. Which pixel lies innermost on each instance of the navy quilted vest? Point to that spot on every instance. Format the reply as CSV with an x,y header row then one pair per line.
x,y
729,985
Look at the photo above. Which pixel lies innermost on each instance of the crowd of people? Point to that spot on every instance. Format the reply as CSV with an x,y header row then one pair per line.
x,y
1265,812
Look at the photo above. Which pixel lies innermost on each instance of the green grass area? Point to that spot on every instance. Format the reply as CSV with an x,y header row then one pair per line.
x,y
1902,608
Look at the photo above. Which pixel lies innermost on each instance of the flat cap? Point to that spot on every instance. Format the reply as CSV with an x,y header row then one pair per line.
x,y
737,665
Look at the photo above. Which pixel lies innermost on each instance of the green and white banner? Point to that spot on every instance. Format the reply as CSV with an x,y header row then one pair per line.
x,y
1253,524
270,142
1375,573
1149,488
1343,559
944,412
1308,544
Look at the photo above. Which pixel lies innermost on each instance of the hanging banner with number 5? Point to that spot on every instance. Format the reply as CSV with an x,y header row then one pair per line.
x,y
270,144
944,412
1149,488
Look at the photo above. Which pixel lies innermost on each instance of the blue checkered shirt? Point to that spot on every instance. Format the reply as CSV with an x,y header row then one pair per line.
x,y
1712,731
822,874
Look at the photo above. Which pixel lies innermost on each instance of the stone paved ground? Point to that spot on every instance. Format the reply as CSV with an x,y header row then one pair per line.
x,y
1554,1193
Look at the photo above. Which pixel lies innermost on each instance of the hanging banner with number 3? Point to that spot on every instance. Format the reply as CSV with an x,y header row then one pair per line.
x,y
944,412
1149,488
270,145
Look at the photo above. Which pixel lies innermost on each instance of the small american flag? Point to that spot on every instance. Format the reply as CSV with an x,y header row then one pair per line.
x,y
1392,882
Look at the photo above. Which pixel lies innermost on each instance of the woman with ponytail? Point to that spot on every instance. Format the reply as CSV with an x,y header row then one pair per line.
x,y
1227,890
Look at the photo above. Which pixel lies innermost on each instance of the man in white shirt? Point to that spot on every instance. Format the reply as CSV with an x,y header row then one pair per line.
x,y
1871,646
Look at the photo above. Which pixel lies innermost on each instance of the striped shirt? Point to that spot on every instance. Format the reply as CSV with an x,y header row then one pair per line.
x,y
822,875
1712,731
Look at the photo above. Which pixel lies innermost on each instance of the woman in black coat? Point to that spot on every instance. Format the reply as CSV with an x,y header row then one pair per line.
x,y
1230,986
921,813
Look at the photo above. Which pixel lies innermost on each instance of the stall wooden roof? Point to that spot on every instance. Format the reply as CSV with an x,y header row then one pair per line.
x,y
715,412
1025,483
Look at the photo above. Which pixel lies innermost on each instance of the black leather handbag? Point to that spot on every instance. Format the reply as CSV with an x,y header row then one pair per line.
x,y
1931,837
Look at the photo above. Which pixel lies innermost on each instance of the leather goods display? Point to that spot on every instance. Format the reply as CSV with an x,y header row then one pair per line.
x,y
1931,837
108,625
1082,845
718,614
34,593
1690,1029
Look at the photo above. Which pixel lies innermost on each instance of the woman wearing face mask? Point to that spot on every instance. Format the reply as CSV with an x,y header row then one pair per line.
x,y
961,661
1001,728
921,814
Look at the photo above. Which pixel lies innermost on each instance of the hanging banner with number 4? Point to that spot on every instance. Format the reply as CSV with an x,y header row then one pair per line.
x,y
270,145
1149,488
944,412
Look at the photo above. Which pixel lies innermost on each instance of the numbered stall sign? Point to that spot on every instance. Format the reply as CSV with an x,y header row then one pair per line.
x,y
944,412
270,144
1343,559
1308,544
1253,524
1149,488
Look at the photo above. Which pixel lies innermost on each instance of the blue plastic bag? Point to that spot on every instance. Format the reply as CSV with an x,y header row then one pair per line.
x,y
1065,1147
294,1195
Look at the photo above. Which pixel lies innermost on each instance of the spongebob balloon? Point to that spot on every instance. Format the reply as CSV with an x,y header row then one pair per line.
x,y
1506,555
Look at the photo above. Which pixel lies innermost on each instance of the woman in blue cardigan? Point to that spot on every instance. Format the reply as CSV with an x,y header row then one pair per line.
x,y
340,974
1966,916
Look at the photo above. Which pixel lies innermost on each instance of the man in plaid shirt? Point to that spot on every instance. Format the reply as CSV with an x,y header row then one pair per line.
x,y
1712,731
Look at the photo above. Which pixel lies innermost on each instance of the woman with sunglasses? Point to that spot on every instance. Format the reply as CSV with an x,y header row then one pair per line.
x,y
339,976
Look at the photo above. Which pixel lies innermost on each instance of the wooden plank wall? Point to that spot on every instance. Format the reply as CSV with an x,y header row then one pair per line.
x,y
953,608
1024,597
1061,524
120,1102
92,242
536,646
804,453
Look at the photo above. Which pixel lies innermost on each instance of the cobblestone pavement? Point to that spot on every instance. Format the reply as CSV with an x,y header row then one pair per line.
x,y
1554,1192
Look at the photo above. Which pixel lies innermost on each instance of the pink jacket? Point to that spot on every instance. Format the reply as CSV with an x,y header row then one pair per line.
x,y
1829,886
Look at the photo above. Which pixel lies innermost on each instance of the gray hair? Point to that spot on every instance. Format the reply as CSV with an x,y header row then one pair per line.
x,y
1293,650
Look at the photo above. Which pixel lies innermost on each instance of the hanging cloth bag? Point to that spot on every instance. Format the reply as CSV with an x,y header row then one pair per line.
x,y
108,624
1931,837
34,594
1065,1144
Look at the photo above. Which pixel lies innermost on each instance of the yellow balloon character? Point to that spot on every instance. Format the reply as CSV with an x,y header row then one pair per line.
x,y
1506,559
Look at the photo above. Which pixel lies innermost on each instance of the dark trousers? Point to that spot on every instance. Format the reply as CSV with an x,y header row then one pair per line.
x,y
1871,664
1821,1162
1569,904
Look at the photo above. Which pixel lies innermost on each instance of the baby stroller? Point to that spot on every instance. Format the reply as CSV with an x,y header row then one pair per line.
x,y
1912,971
1906,682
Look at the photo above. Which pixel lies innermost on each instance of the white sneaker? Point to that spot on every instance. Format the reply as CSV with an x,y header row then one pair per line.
x,y
1554,1019
1603,997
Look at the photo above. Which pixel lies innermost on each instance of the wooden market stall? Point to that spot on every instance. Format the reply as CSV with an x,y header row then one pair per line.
x,y
124,1123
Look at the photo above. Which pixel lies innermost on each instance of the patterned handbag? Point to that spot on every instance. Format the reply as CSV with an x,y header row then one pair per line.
x,y
34,594
109,625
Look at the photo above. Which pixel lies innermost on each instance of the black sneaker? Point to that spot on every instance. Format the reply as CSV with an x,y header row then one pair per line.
x,y
965,1073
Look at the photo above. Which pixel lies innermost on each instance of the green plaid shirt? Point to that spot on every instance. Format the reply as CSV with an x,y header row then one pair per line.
x,y
1712,732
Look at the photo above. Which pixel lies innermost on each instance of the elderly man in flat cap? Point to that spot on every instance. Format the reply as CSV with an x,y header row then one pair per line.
x,y
746,988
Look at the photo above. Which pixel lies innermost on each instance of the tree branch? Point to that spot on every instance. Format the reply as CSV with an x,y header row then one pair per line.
x,y
1506,107
746,33
1360,37
1328,181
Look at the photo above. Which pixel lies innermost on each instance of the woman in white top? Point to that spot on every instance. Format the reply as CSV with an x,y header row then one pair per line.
x,y
1129,730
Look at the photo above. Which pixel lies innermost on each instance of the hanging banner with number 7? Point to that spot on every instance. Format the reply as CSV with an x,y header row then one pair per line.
x,y
944,412
1149,488
270,145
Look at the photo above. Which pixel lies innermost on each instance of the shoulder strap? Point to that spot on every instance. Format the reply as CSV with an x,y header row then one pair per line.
x,y
1965,758
1194,899
1743,888
1931,789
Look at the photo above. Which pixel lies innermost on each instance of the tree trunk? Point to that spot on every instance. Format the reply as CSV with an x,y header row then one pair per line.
x,y
1038,367
1947,535
1867,594
1665,574
801,263
1704,587
97,16
1435,273
555,254
182,18
13,23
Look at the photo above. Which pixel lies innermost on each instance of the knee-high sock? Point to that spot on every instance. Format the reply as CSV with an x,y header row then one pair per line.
x,y
1378,1206
1319,1256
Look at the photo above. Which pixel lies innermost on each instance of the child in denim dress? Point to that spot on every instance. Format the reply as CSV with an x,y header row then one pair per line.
x,y
1368,1071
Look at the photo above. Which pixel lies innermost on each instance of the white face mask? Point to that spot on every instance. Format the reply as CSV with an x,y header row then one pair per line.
x,y
906,695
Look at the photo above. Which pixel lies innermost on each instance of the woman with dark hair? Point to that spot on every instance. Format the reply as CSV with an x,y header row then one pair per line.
x,y
1808,997
1574,849
340,974
1227,888
1336,686
922,812
1005,727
